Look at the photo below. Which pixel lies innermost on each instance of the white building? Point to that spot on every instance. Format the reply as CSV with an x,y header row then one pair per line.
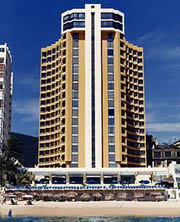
x,y
6,80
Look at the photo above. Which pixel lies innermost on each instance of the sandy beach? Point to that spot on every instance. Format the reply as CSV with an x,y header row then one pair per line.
x,y
109,208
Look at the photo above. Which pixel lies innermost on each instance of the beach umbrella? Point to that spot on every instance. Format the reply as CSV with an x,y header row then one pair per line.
x,y
71,195
27,197
169,179
121,196
10,196
155,194
85,197
18,193
138,194
61,196
109,196
160,197
97,196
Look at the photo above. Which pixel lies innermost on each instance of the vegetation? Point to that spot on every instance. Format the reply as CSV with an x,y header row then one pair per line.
x,y
10,160
23,177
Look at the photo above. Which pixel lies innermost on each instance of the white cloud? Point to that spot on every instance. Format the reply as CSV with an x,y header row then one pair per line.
x,y
151,37
163,127
29,109
151,117
30,79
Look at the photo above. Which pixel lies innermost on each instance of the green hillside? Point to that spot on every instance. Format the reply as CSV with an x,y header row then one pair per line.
x,y
30,149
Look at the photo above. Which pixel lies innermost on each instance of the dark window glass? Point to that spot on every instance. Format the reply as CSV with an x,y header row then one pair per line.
x,y
111,148
178,154
75,36
110,60
111,112
111,121
110,52
75,103
74,148
110,86
157,154
168,154
111,157
111,130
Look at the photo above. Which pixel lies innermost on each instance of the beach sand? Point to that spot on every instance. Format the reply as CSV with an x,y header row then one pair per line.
x,y
109,208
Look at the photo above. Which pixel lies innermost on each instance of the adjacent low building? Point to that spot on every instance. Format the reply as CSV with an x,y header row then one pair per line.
x,y
163,155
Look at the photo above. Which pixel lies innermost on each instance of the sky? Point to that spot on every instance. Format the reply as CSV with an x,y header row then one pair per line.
x,y
27,26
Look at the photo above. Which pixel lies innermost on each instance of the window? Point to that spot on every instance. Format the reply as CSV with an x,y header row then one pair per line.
x,y
74,139
75,112
111,24
110,52
1,60
110,68
111,16
110,94
168,154
111,112
110,77
74,130
111,139
75,86
75,77
111,130
110,60
157,154
74,148
112,148
75,95
74,121
111,103
111,121
75,52
74,157
110,86
110,44
178,154
111,157
75,60
75,103
75,69
139,60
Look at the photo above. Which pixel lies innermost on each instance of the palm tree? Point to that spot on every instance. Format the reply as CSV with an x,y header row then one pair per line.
x,y
10,159
13,149
23,177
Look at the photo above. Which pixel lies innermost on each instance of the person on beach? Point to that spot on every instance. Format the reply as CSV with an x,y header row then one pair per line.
x,y
4,201
10,213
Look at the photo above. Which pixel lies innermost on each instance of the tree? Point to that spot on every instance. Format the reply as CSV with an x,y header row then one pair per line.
x,y
13,150
23,177
10,159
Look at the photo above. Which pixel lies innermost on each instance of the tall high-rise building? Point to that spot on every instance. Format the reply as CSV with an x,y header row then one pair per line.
x,y
92,111
6,80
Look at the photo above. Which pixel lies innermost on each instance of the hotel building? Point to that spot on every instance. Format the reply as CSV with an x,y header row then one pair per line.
x,y
6,80
92,111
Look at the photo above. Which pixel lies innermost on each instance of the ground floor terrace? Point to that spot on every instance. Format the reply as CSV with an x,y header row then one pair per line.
x,y
103,176
76,184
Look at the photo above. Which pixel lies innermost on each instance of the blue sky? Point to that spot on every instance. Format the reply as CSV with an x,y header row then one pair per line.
x,y
29,25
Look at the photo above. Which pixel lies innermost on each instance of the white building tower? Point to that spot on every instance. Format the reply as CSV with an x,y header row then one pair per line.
x,y
6,80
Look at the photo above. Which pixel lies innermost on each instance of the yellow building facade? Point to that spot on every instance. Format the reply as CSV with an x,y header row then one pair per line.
x,y
92,111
